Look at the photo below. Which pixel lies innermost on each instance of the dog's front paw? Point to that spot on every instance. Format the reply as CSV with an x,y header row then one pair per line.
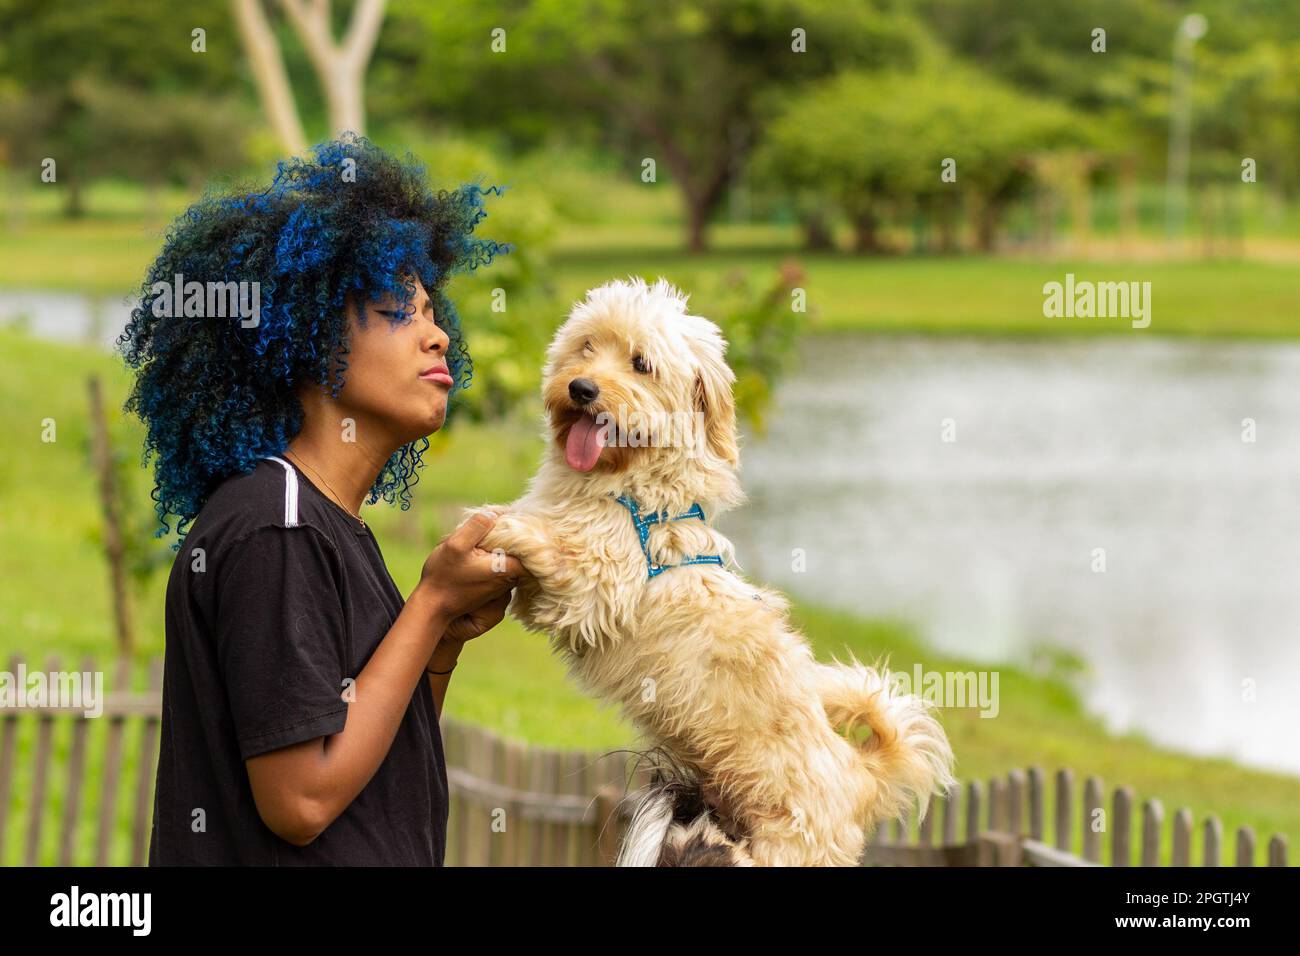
x,y
492,511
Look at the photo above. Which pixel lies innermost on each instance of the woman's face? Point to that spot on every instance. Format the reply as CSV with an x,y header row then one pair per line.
x,y
397,378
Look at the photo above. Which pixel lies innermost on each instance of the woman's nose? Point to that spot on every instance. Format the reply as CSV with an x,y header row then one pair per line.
x,y
435,339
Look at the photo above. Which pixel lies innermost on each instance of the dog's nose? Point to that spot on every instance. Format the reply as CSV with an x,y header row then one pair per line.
x,y
583,390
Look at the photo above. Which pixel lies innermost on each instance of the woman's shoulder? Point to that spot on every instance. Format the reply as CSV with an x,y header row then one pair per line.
x,y
268,496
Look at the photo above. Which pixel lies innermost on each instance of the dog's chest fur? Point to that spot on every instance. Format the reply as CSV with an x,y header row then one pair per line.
x,y
654,645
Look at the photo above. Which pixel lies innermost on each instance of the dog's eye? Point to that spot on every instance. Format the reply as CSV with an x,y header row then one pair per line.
x,y
639,364
586,347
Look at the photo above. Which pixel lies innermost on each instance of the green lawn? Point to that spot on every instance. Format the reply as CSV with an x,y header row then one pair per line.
x,y
54,599
107,255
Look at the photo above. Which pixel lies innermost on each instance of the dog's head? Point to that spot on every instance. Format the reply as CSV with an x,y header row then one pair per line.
x,y
632,380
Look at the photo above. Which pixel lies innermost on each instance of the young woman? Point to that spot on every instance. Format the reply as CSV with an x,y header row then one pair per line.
x,y
301,693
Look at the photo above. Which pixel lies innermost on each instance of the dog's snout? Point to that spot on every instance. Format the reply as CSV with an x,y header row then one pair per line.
x,y
583,390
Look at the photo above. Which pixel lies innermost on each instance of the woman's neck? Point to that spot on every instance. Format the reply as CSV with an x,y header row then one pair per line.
x,y
347,465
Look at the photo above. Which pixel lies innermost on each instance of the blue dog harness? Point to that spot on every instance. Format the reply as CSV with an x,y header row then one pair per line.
x,y
643,523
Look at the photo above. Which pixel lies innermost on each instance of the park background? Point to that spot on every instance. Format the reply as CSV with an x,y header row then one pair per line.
x,y
776,168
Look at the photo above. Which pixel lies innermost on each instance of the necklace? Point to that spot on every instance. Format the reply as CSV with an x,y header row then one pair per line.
x,y
337,499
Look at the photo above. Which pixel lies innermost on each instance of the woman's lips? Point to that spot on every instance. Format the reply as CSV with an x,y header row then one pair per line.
x,y
438,375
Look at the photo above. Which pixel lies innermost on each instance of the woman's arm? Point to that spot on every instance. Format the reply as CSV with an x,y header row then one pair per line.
x,y
300,790
444,659
462,629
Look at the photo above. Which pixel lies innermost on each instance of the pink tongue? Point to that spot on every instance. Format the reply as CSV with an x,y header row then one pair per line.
x,y
586,440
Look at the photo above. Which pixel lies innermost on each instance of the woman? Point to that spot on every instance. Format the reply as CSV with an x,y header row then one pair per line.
x,y
301,693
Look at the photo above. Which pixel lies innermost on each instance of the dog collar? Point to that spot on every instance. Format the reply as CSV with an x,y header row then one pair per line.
x,y
643,523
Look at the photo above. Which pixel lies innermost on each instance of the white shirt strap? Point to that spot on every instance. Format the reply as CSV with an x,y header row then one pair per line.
x,y
290,492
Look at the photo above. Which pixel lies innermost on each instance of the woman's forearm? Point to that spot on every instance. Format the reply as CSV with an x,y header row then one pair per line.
x,y
301,790
444,659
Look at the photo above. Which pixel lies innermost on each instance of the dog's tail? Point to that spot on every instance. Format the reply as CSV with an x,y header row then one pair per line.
x,y
907,753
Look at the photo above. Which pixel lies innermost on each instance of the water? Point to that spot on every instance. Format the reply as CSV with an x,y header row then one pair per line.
x,y
66,316
1130,444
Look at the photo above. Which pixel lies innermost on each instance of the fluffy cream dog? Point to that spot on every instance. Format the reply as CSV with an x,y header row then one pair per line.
x,y
633,584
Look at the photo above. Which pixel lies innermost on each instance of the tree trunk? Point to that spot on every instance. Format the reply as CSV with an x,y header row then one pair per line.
x,y
269,73
866,233
346,98
945,213
114,548
986,225
700,205
696,225
74,206
817,235
340,67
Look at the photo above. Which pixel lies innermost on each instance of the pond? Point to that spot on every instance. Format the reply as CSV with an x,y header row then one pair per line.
x,y
966,486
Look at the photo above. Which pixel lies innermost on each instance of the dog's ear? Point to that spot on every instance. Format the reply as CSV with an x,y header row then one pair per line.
x,y
713,392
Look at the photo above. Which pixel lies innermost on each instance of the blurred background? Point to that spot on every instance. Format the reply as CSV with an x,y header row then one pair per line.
x,y
869,197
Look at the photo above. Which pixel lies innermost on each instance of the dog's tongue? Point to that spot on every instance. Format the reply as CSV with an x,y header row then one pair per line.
x,y
584,445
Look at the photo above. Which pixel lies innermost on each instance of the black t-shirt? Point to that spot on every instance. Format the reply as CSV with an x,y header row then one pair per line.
x,y
276,598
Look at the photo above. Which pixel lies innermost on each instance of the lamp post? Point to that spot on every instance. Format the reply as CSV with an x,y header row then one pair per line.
x,y
1190,29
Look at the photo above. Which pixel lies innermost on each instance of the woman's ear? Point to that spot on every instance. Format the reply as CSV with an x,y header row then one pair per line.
x,y
713,397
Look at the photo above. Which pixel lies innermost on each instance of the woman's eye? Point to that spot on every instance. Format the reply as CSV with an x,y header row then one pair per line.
x,y
639,364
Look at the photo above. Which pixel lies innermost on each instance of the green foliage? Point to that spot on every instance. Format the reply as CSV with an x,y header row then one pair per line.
x,y
682,82
111,89
865,140
762,329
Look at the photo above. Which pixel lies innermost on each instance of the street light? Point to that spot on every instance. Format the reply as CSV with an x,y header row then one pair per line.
x,y
1190,29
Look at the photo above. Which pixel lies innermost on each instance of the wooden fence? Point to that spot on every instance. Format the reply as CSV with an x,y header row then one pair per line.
x,y
79,791
1006,825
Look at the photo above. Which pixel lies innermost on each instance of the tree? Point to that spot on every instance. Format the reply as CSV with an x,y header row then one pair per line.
x,y
54,54
340,66
682,82
874,143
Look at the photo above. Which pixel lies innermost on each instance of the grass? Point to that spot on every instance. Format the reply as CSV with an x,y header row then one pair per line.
x,y
107,255
54,599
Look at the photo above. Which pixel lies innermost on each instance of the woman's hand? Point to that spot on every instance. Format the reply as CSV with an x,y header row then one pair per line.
x,y
466,587
476,622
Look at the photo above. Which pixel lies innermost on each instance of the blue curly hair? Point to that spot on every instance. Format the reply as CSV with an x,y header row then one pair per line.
x,y
351,220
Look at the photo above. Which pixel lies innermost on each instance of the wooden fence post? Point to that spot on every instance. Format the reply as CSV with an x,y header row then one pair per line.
x,y
1064,809
1182,838
1121,847
1037,804
76,773
951,811
120,682
1153,816
1277,851
973,795
40,777
1016,802
997,806
609,831
1213,840
1245,846
1092,804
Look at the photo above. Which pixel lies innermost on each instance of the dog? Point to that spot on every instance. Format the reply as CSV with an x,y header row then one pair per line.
x,y
641,597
